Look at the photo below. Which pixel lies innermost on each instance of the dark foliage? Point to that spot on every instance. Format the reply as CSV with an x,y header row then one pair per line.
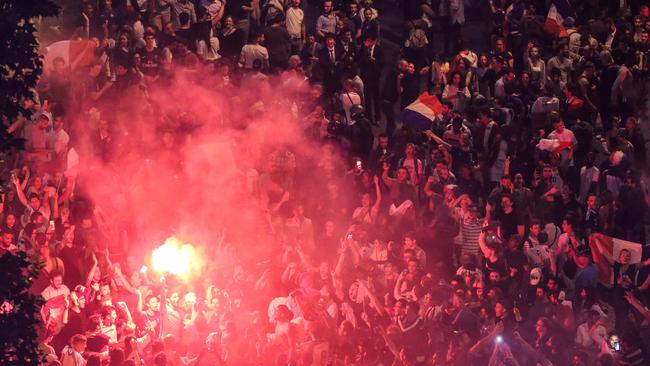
x,y
19,311
20,63
20,68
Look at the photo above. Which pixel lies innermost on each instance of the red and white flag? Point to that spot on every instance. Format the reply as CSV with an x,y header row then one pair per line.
x,y
75,54
606,250
554,22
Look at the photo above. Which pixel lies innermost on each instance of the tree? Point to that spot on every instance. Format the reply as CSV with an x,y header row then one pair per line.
x,y
20,68
20,63
19,310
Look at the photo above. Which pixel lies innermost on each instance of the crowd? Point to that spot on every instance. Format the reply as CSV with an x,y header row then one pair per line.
x,y
470,242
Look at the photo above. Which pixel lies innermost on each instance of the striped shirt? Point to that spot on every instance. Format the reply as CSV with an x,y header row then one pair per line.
x,y
470,230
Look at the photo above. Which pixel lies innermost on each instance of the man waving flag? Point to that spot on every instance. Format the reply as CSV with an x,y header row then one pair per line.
x,y
557,12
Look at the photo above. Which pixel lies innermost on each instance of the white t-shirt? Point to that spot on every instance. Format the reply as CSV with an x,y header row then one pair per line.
x,y
50,292
294,20
252,52
58,140
566,137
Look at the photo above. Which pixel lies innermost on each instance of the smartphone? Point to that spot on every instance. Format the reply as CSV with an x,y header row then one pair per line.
x,y
359,164
143,269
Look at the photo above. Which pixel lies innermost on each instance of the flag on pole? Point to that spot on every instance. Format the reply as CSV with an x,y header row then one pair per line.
x,y
606,250
557,13
422,112
75,54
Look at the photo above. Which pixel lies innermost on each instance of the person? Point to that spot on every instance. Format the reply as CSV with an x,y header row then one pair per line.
x,y
371,63
254,51
456,92
565,137
326,23
328,68
296,27
56,287
277,41
179,7
72,354
351,253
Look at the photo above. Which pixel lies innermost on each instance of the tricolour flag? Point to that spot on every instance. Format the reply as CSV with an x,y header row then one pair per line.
x,y
421,113
75,54
606,250
557,12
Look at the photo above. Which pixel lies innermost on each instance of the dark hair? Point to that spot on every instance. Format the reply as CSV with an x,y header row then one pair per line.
x,y
184,18
160,359
451,78
409,251
94,360
571,219
116,357
107,310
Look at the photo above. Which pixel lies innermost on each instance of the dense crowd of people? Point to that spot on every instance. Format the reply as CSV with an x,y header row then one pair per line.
x,y
469,242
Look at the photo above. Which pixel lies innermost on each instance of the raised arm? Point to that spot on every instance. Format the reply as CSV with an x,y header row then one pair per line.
x,y
127,286
481,242
384,175
46,201
354,250
91,273
498,329
375,207
397,290
636,304
389,342
338,270
55,209
374,302
19,190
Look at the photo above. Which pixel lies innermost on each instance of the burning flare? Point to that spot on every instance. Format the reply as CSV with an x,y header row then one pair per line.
x,y
174,257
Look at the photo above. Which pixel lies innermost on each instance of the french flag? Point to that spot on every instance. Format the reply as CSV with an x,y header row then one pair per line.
x,y
422,112
557,12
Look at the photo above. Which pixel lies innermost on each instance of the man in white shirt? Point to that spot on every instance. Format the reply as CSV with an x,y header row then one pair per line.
x,y
566,138
295,22
56,287
254,51
58,139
